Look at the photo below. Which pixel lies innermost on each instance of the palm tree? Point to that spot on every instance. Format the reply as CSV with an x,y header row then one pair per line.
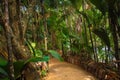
x,y
114,25
9,35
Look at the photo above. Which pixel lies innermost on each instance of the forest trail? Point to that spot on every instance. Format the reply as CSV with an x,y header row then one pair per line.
x,y
66,71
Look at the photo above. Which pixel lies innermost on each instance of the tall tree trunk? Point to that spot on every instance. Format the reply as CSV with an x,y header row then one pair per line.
x,y
45,30
95,49
19,48
20,27
106,54
113,25
91,38
53,39
84,24
9,41
45,24
63,51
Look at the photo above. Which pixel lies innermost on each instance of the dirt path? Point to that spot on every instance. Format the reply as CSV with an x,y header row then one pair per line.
x,y
66,71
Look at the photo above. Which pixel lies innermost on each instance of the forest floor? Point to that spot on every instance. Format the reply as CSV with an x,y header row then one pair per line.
x,y
66,71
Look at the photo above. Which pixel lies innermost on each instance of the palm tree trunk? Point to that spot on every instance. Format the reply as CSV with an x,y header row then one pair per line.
x,y
92,43
9,41
84,24
45,24
95,49
113,25
18,2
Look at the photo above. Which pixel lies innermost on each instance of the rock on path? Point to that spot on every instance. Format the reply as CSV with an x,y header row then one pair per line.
x,y
66,71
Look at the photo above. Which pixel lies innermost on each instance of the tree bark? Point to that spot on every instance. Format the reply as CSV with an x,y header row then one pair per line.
x,y
19,50
113,26
84,24
91,39
18,14
9,41
45,24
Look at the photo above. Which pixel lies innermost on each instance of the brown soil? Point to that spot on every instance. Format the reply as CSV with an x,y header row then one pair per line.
x,y
66,71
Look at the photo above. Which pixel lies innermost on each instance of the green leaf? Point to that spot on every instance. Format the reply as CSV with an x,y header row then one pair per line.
x,y
29,46
33,44
18,66
3,62
37,59
2,71
74,36
38,53
5,78
55,54
102,34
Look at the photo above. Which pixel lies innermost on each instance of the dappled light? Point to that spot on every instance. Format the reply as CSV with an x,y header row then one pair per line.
x,y
59,39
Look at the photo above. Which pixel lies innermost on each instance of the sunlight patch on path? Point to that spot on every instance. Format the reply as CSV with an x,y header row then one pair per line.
x,y
66,71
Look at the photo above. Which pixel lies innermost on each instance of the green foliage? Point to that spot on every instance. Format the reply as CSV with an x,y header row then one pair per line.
x,y
102,34
25,2
43,73
36,59
93,17
55,54
76,3
75,36
3,67
101,5
62,22
38,53
31,46
2,71
3,62
5,79
20,65
34,51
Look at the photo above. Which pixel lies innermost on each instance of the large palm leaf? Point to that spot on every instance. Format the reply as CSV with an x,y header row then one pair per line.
x,y
102,34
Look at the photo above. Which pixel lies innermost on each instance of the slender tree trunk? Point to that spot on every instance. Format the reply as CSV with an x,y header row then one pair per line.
x,y
53,39
92,43
20,27
45,24
45,30
9,41
113,25
84,24
14,18
63,52
95,49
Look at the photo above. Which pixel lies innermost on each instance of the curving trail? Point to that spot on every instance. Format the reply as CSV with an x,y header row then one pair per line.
x,y
66,71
